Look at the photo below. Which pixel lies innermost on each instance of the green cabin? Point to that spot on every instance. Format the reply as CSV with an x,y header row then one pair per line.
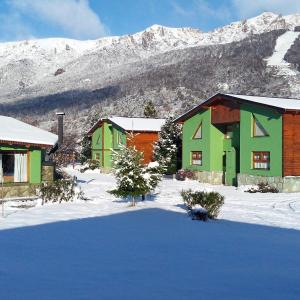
x,y
243,140
22,157
108,134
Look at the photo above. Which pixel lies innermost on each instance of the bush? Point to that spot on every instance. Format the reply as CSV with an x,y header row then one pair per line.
x,y
59,191
263,187
210,201
183,174
90,164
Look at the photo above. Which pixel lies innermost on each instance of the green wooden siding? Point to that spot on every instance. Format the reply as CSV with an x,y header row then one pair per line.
x,y
210,144
112,136
35,161
272,122
216,149
35,166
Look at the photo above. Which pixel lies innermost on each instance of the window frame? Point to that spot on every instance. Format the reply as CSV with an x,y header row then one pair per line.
x,y
261,159
196,131
119,138
254,120
200,158
10,178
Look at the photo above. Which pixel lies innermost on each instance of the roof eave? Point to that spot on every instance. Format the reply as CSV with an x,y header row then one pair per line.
x,y
29,144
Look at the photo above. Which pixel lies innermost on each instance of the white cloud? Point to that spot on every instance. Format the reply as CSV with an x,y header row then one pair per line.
x,y
250,8
202,9
221,12
74,17
179,10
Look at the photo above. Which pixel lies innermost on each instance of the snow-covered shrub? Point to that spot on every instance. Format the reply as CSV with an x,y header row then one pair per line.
x,y
90,164
165,149
133,178
183,174
210,201
63,190
263,187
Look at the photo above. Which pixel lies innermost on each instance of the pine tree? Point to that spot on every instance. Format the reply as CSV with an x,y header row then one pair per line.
x,y
149,110
86,151
166,148
133,178
86,142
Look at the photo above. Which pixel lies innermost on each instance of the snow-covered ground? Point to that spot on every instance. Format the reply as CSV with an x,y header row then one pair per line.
x,y
108,250
279,210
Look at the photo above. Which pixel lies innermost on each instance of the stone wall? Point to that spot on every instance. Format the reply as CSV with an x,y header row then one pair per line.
x,y
48,172
18,190
291,184
283,184
211,177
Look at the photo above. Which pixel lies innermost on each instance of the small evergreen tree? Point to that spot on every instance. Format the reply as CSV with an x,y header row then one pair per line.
x,y
166,148
149,110
86,151
133,178
86,142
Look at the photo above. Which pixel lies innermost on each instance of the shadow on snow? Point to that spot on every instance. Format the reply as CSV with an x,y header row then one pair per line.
x,y
149,254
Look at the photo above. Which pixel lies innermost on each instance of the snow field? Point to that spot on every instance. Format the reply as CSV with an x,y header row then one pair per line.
x,y
104,249
278,210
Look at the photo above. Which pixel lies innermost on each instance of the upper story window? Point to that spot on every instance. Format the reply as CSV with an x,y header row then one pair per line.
x,y
98,141
119,138
261,160
258,129
198,132
196,158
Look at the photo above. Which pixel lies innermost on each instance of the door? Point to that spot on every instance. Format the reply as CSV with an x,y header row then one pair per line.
x,y
231,167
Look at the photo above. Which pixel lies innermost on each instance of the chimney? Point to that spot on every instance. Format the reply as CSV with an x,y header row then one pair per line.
x,y
60,128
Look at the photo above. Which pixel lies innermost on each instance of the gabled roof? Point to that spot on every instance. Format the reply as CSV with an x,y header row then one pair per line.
x,y
281,103
284,103
17,132
132,124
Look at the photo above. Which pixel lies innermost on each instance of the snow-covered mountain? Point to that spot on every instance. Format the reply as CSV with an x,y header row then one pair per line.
x,y
175,67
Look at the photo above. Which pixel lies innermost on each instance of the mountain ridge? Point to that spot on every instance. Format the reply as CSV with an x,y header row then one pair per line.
x,y
166,65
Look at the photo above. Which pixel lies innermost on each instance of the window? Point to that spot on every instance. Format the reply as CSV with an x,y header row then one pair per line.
x,y
119,138
197,158
261,160
8,164
198,132
13,166
258,129
228,132
98,142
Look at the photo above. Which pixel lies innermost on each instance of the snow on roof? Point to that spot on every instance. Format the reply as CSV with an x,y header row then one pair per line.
x,y
138,124
285,103
12,130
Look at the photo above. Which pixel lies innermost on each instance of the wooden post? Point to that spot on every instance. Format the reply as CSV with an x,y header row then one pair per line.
x,y
2,196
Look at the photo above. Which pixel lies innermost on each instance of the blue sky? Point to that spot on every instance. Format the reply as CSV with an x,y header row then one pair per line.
x,y
89,19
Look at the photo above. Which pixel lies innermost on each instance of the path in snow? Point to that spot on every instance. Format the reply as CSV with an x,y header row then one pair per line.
x,y
279,210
